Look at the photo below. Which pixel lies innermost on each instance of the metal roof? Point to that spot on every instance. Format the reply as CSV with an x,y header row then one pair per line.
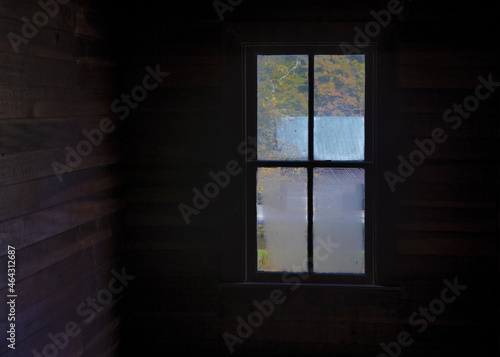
x,y
335,137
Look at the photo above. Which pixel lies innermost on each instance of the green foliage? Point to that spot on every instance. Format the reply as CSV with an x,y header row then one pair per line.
x,y
263,259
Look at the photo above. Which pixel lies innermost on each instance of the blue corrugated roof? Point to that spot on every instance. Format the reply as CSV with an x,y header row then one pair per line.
x,y
336,137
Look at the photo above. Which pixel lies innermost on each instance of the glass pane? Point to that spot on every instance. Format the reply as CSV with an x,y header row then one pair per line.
x,y
282,219
339,220
339,107
282,109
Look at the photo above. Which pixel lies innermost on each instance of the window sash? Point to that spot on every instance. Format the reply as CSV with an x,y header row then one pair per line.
x,y
250,66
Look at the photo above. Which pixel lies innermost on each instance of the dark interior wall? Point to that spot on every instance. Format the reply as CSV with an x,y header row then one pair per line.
x,y
440,223
55,83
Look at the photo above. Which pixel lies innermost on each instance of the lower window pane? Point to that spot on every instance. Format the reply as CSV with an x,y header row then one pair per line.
x,y
338,220
282,219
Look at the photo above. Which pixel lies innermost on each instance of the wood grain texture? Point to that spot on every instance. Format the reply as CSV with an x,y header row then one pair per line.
x,y
65,233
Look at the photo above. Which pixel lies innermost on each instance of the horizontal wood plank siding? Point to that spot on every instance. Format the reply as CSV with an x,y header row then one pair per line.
x,y
66,234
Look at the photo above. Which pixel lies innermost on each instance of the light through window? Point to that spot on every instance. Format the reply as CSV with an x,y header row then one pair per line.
x,y
308,109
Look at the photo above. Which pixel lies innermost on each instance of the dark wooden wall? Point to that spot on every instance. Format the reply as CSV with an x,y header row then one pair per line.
x,y
441,223
66,234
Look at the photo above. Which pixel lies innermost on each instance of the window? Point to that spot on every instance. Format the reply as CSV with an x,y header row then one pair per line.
x,y
309,190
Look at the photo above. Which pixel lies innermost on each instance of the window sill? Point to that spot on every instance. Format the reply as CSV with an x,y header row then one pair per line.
x,y
367,287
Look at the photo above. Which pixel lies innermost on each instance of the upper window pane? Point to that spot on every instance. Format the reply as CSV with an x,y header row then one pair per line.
x,y
282,105
339,107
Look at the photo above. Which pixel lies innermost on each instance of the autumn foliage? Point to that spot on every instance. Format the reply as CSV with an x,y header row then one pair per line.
x,y
283,91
